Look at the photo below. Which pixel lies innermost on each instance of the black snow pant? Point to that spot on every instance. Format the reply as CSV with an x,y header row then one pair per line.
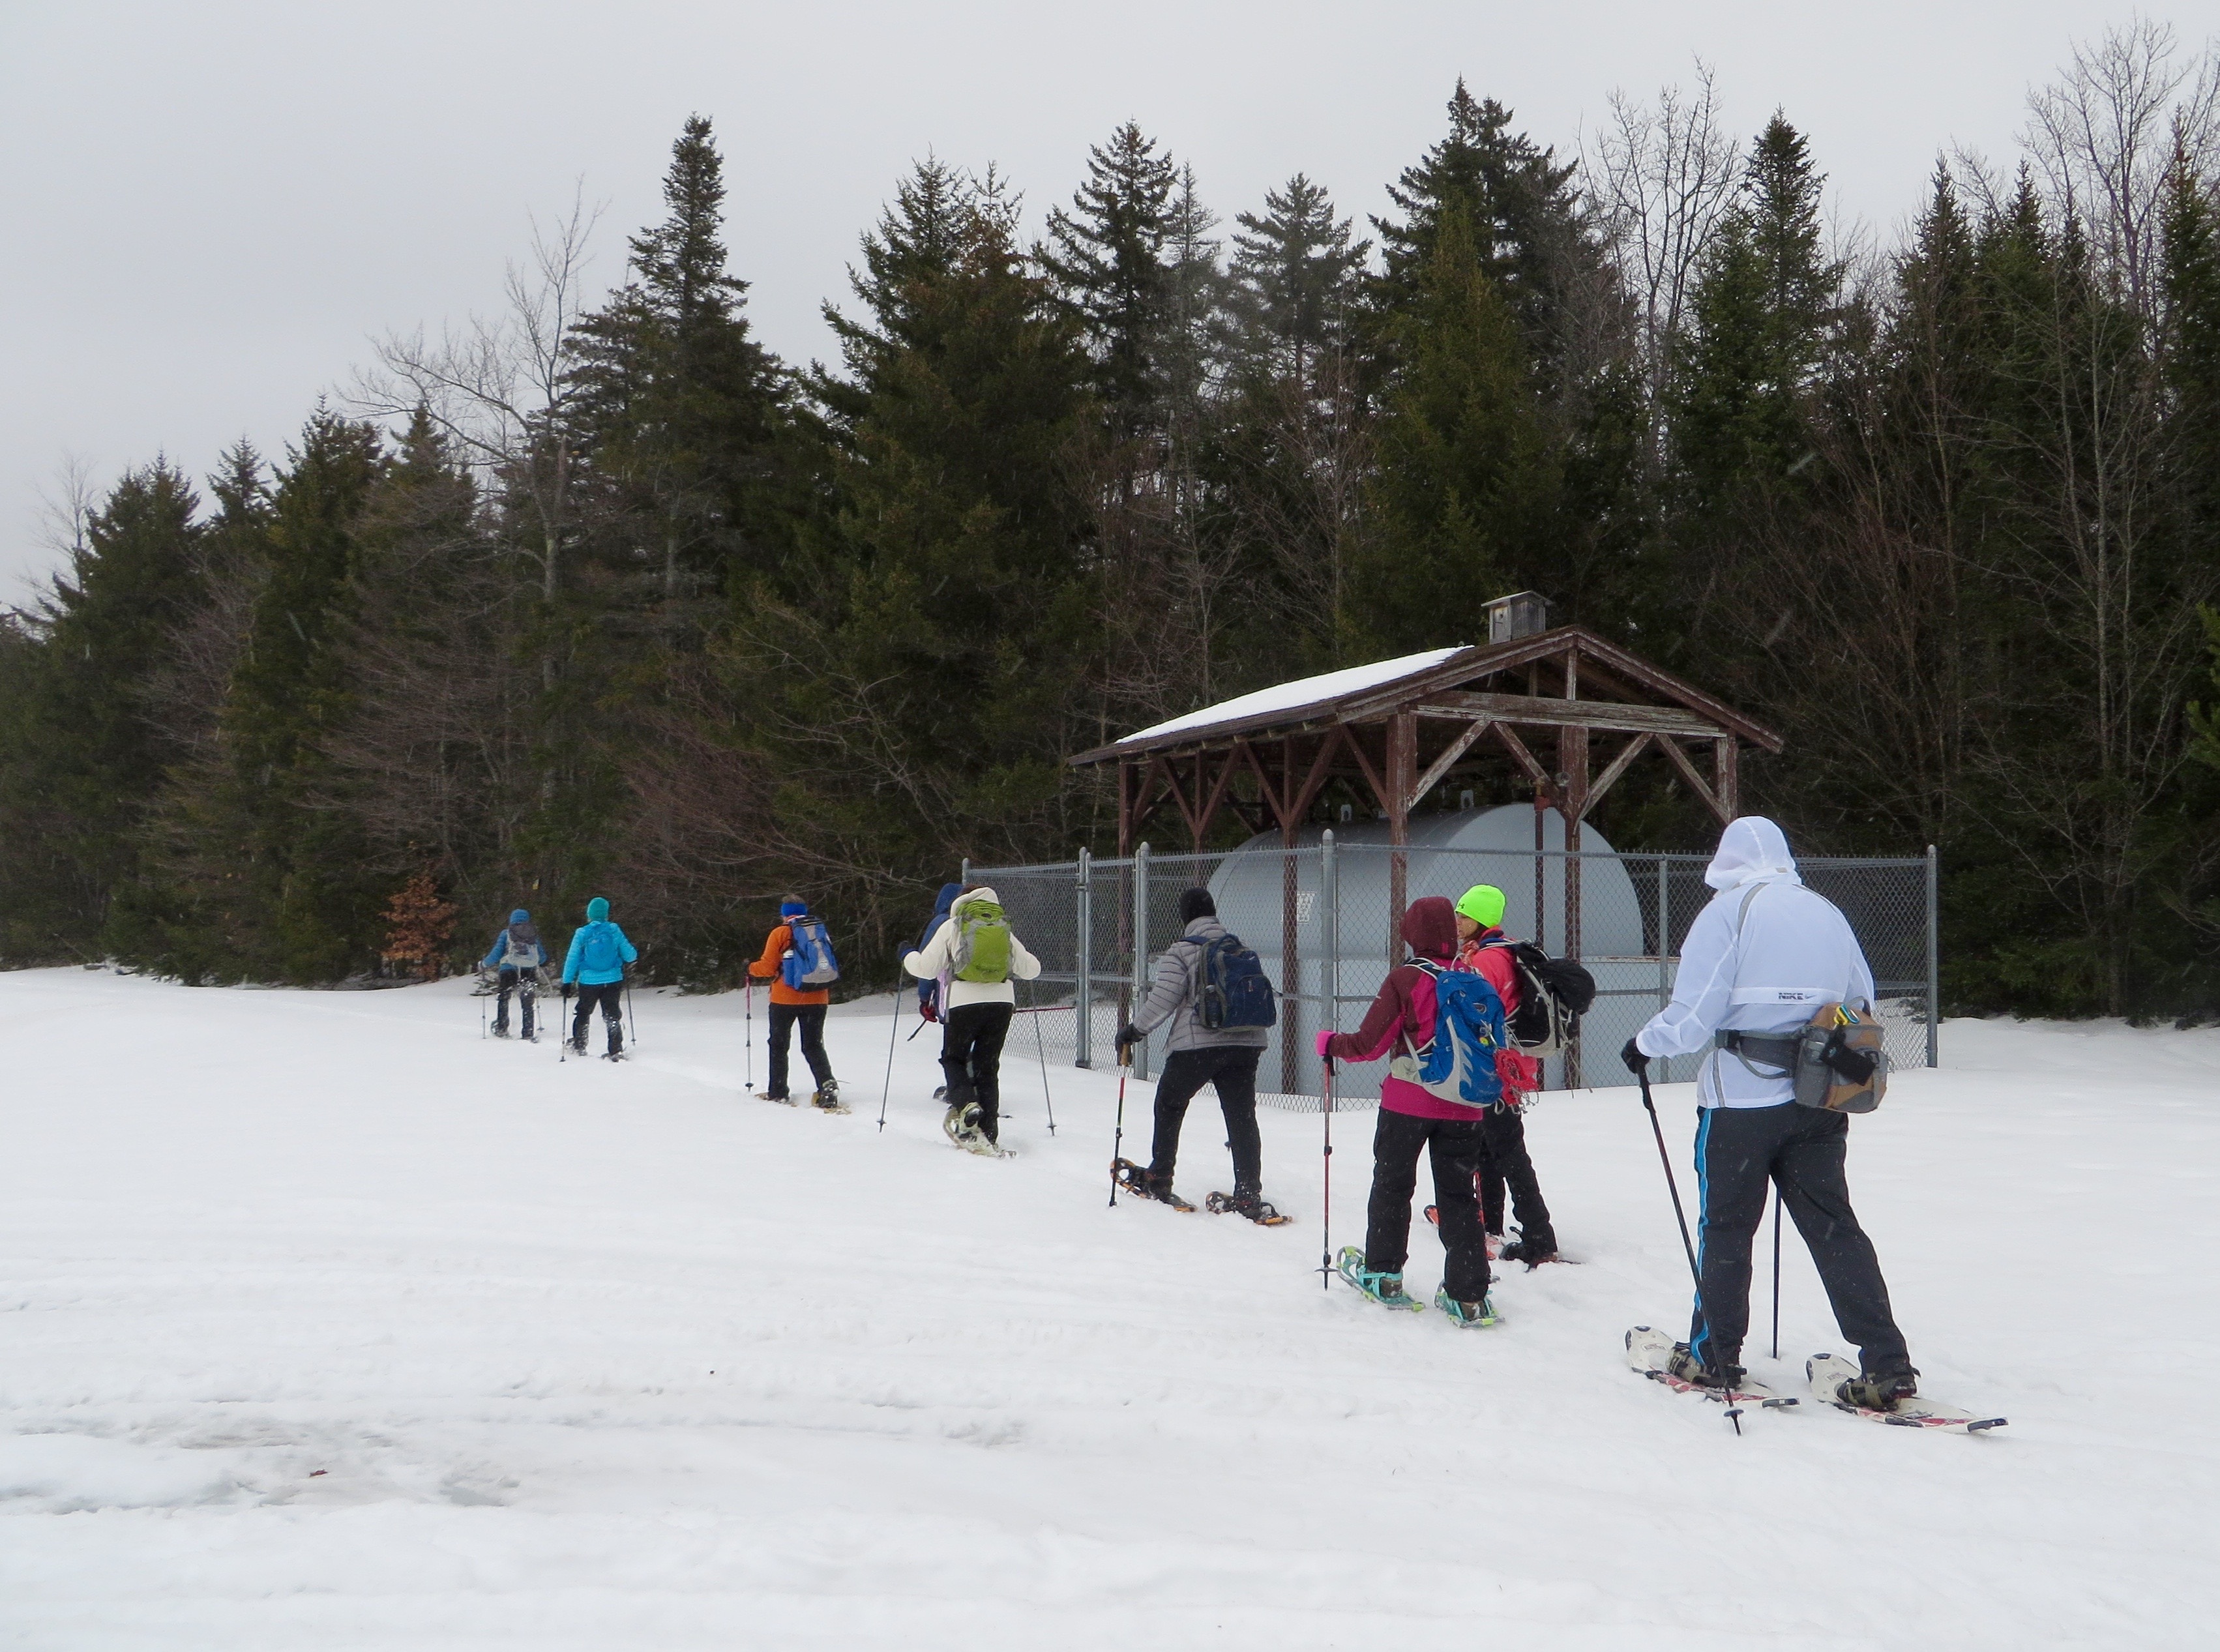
x,y
525,983
1504,1164
784,1018
1231,1069
610,997
1739,1151
1455,1143
971,1057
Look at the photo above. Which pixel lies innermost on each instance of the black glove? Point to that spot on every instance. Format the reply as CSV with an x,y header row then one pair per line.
x,y
1125,1037
1636,1062
567,992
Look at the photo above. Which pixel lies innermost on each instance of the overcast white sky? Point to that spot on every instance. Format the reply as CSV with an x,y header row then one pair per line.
x,y
207,209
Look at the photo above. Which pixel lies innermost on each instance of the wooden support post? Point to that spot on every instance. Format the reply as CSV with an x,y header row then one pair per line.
x,y
1291,965
1402,776
1727,781
1572,760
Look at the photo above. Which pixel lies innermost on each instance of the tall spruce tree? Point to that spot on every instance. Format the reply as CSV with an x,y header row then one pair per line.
x,y
87,761
677,407
1108,256
1296,278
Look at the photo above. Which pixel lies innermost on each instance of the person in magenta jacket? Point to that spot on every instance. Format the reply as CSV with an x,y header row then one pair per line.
x,y
1401,1017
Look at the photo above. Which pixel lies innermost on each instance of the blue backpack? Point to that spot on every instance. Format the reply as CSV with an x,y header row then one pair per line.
x,y
1234,990
809,964
1458,1064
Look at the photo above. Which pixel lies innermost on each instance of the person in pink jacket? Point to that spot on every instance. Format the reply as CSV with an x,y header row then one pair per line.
x,y
1411,1121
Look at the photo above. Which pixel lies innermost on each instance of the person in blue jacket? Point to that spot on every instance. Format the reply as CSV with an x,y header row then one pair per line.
x,y
599,953
518,956
928,992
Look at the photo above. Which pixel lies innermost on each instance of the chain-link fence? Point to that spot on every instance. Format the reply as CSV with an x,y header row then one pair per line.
x,y
1319,917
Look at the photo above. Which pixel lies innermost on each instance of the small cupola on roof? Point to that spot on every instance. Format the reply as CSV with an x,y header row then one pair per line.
x,y
1522,614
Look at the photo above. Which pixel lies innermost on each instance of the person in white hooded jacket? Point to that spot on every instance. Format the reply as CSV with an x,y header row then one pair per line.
x,y
1758,961
975,1012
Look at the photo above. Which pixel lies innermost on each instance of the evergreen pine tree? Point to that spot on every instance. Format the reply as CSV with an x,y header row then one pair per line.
x,y
1108,257
87,762
677,407
1295,272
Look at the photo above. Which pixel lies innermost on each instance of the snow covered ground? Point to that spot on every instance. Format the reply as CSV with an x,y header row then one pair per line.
x,y
325,1323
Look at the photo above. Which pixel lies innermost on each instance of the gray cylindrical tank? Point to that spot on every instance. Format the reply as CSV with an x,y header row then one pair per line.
x,y
1446,854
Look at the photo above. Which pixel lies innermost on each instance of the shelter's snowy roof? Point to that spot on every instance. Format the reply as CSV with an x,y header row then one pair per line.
x,y
1300,694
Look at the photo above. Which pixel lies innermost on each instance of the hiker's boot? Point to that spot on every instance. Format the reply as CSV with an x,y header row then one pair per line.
x,y
1879,1390
1477,1315
828,1096
1723,1375
1532,1248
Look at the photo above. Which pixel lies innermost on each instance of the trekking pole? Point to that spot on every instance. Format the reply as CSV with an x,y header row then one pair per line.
x,y
748,1011
1326,1214
482,1027
629,1016
892,1027
1041,1044
563,1029
1776,1272
1117,1141
1688,1246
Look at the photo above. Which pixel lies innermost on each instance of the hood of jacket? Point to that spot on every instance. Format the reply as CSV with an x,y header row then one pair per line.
x,y
977,898
1430,928
1751,850
946,898
597,911
520,916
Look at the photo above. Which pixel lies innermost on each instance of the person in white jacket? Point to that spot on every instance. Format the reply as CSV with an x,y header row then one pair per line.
x,y
975,956
1758,961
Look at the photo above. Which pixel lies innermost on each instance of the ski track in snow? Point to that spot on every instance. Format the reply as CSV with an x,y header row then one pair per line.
x,y
614,1356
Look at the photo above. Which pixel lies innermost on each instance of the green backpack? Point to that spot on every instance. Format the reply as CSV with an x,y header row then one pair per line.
x,y
983,944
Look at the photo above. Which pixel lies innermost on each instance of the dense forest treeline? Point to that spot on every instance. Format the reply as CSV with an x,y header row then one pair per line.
x,y
599,596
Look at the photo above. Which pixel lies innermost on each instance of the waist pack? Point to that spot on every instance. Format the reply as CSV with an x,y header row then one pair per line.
x,y
1232,987
1553,995
1458,1063
809,964
982,952
1834,1062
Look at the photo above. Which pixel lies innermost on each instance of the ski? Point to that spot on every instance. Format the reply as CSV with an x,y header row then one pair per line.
x,y
1221,1204
1647,1352
1827,1372
1350,1266
1134,1179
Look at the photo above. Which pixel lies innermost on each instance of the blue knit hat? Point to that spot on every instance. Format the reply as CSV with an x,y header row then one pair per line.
x,y
597,909
520,916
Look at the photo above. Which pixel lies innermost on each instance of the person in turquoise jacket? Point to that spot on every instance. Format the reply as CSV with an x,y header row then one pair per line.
x,y
595,964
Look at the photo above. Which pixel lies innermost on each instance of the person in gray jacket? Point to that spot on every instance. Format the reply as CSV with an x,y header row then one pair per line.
x,y
1225,1058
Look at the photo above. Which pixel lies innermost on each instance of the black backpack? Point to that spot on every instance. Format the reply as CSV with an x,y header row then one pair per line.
x,y
1553,995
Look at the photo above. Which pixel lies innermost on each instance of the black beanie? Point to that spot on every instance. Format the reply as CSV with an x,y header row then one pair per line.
x,y
1196,903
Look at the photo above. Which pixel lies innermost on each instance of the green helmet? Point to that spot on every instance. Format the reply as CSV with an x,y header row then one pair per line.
x,y
1483,904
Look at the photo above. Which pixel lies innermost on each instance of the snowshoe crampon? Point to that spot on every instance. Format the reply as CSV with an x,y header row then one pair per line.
x,y
1650,1353
1386,1289
1827,1373
1133,1179
1477,1316
1259,1211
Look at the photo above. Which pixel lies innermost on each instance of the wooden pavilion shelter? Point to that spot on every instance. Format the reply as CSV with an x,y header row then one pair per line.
x,y
1397,729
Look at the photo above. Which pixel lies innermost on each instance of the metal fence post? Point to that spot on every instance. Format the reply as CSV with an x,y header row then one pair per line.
x,y
1933,965
1664,943
1140,950
966,877
1082,1038
1329,934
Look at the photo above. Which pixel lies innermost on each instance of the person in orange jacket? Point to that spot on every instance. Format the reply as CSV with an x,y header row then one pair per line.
x,y
792,1007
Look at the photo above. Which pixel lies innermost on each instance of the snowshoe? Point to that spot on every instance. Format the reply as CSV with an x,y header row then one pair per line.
x,y
1838,1383
501,1033
615,1055
1386,1289
577,1046
1683,1364
827,1098
1135,1179
1494,1240
1257,1210
1652,1354
1481,1314
960,1124
783,1101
